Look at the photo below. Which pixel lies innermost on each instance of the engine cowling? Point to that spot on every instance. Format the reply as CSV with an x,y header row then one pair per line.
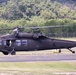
x,y
30,35
27,35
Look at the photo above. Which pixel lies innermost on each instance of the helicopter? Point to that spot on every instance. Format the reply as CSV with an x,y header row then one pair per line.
x,y
18,41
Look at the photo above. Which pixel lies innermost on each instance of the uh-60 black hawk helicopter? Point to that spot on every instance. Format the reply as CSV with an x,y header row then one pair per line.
x,y
18,41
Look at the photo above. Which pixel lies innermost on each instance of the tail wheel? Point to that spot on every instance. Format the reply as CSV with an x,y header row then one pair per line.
x,y
71,50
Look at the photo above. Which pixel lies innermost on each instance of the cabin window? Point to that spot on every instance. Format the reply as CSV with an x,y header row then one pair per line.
x,y
0,42
4,42
24,42
18,42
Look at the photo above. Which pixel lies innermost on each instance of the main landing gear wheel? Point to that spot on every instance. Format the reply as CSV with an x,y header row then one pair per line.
x,y
5,53
59,50
13,52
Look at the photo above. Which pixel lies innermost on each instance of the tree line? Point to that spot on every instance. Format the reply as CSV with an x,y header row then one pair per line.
x,y
27,13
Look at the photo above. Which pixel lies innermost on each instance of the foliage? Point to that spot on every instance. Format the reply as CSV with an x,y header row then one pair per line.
x,y
25,13
16,9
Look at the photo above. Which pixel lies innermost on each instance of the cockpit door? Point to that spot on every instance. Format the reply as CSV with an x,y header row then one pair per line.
x,y
0,43
7,45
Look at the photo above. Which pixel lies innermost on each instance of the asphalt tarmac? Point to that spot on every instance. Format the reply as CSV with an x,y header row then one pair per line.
x,y
37,58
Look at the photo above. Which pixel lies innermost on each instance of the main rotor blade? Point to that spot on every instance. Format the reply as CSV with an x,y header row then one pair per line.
x,y
35,27
11,28
46,27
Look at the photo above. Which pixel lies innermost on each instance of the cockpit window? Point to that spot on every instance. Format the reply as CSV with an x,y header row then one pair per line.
x,y
18,42
24,42
4,42
0,42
